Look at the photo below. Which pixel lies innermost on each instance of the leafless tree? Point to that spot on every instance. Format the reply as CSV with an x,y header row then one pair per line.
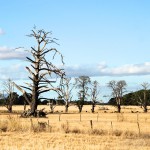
x,y
142,99
42,70
118,88
65,92
94,94
52,105
82,83
11,95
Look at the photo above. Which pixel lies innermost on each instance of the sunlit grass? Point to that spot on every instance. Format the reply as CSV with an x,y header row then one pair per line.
x,y
73,131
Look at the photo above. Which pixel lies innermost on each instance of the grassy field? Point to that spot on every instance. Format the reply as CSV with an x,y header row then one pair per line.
x,y
103,130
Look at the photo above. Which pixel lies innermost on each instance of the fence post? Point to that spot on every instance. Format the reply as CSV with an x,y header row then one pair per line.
x,y
137,117
59,116
139,128
31,124
48,126
111,126
91,123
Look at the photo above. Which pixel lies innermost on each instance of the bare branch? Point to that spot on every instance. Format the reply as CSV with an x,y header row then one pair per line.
x,y
26,88
23,92
31,60
30,71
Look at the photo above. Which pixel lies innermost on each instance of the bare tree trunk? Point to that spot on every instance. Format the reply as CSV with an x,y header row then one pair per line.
x,y
119,108
24,105
34,104
145,108
93,108
33,108
80,104
66,107
80,109
9,108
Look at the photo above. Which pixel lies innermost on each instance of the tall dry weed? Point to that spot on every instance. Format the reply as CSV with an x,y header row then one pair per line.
x,y
65,127
11,124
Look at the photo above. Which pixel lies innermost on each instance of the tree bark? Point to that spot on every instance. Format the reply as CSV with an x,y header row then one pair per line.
x,y
66,107
145,109
80,108
24,105
34,108
119,108
9,108
93,108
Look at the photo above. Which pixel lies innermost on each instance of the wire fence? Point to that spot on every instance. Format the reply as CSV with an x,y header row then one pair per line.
x,y
138,123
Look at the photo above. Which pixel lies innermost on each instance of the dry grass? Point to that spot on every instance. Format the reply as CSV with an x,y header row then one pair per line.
x,y
110,131
87,109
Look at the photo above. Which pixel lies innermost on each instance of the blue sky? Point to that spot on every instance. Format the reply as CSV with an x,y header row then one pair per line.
x,y
104,39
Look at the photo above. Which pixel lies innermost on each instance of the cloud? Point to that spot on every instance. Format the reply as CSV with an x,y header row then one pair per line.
x,y
103,69
1,31
18,71
89,70
13,71
128,70
7,53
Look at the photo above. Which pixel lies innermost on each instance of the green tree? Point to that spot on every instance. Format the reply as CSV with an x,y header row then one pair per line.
x,y
129,99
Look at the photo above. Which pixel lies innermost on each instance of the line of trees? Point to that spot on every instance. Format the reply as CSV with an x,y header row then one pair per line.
x,y
86,90
139,98
43,74
88,94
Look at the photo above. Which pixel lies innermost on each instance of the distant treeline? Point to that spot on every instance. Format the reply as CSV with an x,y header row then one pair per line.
x,y
133,98
20,100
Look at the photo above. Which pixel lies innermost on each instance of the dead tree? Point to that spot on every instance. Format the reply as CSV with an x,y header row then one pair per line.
x,y
65,92
82,84
143,96
41,70
52,105
11,95
118,88
94,94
